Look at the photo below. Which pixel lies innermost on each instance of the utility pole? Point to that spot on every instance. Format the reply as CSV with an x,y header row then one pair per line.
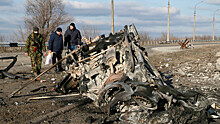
x,y
112,14
194,25
195,20
168,22
213,36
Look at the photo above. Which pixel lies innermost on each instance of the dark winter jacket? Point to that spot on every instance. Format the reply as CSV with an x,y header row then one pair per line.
x,y
56,42
72,37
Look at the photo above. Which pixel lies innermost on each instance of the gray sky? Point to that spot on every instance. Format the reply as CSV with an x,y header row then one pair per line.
x,y
148,16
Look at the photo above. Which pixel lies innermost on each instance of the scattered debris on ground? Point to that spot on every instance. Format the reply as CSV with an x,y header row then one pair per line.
x,y
115,82
186,44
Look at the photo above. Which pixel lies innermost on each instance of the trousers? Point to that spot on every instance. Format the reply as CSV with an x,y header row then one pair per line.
x,y
36,60
58,56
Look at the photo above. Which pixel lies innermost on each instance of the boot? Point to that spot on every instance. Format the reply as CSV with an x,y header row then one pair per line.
x,y
55,69
35,74
61,69
38,72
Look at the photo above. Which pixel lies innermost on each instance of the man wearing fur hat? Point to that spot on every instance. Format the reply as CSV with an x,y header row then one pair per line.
x,y
34,47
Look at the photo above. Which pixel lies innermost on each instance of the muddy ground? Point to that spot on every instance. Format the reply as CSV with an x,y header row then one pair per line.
x,y
191,69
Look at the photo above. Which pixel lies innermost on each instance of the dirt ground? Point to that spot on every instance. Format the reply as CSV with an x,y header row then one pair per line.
x,y
193,69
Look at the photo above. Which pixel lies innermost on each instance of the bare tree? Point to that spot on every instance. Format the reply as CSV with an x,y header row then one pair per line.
x,y
2,38
144,38
164,36
20,36
89,32
12,37
45,14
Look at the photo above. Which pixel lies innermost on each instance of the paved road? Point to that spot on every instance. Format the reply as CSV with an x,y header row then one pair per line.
x,y
175,47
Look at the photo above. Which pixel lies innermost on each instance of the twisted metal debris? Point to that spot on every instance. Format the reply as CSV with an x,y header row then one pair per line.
x,y
119,77
4,72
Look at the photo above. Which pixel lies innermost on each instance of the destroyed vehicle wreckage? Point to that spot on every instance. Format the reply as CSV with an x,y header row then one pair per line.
x,y
4,72
118,76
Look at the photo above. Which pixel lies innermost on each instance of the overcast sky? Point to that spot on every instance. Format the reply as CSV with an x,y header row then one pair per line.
x,y
147,15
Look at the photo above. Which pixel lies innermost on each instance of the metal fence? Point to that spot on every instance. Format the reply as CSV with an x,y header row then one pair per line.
x,y
22,44
173,42
14,44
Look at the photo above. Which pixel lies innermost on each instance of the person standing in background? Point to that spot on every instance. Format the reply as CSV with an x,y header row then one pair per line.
x,y
72,38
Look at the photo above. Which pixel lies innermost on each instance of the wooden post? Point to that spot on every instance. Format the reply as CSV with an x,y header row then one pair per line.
x,y
213,35
112,14
168,22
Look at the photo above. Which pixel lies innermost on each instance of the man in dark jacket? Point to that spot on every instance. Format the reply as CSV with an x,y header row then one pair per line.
x,y
56,46
72,38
